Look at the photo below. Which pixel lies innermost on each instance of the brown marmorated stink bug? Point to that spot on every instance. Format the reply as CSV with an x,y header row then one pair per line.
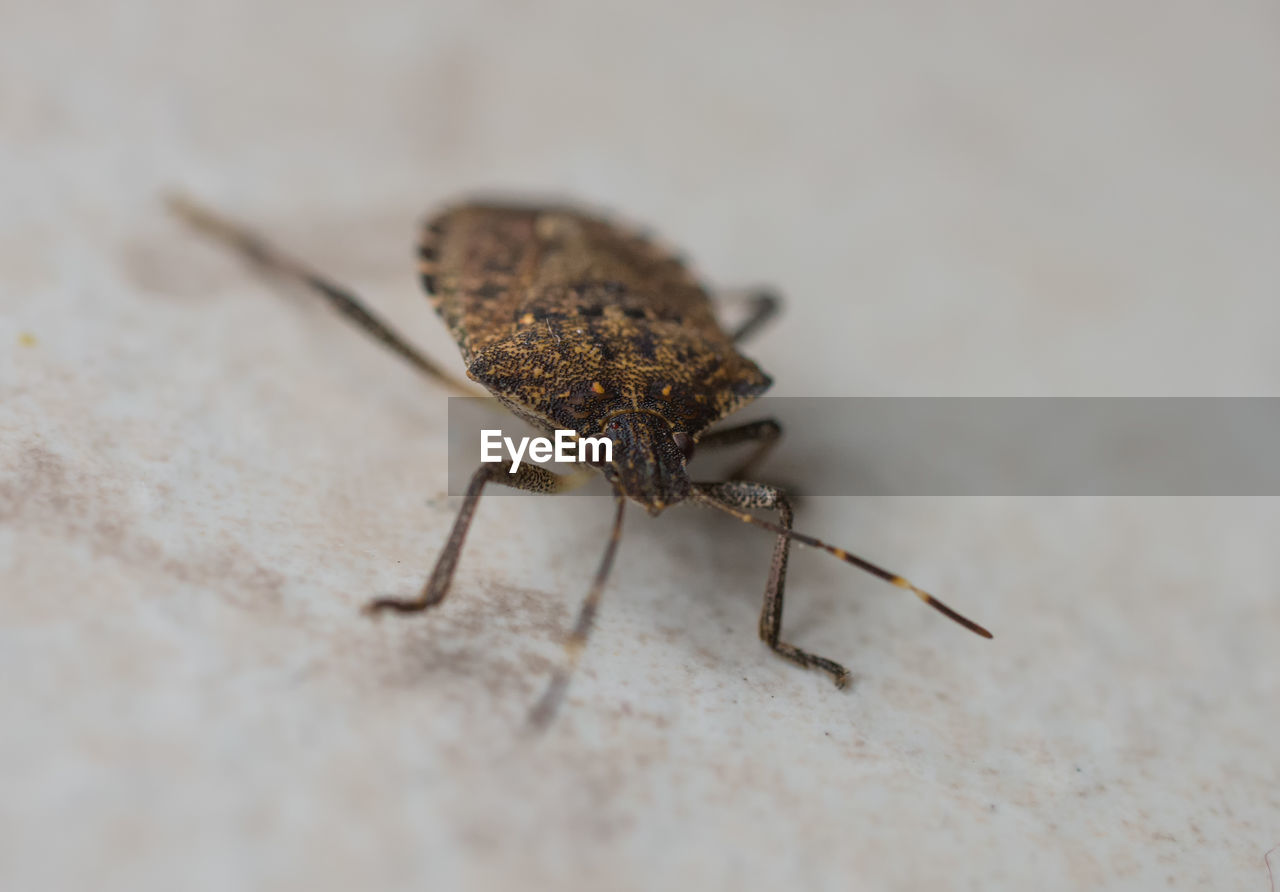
x,y
576,324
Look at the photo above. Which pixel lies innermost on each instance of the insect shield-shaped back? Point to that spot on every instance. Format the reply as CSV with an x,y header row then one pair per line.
x,y
639,382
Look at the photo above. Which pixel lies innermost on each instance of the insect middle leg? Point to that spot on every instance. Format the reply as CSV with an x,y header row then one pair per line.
x,y
765,433
530,478
748,494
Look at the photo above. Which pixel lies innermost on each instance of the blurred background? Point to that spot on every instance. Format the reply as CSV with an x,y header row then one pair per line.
x,y
201,479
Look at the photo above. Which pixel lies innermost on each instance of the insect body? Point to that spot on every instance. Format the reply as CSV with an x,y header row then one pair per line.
x,y
576,324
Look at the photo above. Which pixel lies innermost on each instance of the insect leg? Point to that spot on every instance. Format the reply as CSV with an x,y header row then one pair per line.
x,y
746,494
543,712
765,433
762,306
267,257
531,478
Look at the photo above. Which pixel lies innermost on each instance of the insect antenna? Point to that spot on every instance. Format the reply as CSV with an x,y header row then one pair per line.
x,y
865,565
545,710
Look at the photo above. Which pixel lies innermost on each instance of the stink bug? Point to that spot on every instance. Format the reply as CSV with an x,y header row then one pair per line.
x,y
575,324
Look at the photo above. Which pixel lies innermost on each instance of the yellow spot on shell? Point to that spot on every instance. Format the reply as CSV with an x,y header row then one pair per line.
x,y
553,227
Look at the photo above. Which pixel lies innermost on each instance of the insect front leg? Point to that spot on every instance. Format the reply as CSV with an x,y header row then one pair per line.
x,y
765,433
748,494
530,478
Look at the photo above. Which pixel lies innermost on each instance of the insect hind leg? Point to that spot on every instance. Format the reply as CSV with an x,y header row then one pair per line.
x,y
762,305
265,256
748,494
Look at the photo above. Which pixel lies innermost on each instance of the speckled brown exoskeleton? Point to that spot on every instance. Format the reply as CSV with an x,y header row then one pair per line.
x,y
574,323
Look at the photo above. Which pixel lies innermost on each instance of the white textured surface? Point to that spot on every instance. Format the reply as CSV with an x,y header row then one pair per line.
x,y
201,480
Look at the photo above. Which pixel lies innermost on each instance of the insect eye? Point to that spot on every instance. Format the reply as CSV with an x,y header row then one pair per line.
x,y
684,443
